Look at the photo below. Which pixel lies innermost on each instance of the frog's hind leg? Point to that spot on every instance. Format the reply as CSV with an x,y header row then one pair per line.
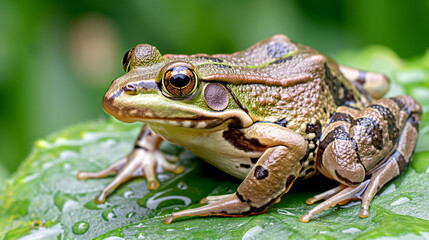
x,y
348,163
376,84
212,199
143,161
272,175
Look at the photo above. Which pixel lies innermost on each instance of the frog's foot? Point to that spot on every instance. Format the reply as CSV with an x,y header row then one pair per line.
x,y
333,197
143,161
365,190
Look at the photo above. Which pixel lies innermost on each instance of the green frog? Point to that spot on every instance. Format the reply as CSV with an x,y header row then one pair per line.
x,y
271,114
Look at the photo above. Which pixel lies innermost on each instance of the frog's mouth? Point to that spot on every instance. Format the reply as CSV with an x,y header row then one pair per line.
x,y
150,108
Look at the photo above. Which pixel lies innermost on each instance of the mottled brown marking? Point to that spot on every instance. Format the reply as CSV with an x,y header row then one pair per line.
x,y
402,162
317,130
261,209
400,104
237,138
314,128
338,133
277,50
260,172
281,60
282,122
243,165
372,129
254,160
240,196
390,118
413,121
344,179
341,94
289,180
214,59
339,116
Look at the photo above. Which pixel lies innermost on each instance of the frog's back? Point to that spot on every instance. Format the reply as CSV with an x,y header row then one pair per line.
x,y
301,85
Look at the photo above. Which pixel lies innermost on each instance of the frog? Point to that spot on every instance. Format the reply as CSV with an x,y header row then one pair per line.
x,y
270,115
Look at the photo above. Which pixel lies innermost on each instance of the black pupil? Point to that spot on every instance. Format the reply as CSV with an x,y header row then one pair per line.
x,y
179,80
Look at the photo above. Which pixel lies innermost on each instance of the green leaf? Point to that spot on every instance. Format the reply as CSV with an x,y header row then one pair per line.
x,y
4,174
45,200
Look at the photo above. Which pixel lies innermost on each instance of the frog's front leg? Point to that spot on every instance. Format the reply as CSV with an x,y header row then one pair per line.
x,y
270,178
144,160
363,150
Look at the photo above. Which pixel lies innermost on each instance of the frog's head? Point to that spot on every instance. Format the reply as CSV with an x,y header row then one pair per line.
x,y
169,90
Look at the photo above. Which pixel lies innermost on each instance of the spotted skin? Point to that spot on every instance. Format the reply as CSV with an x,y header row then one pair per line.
x,y
362,176
270,114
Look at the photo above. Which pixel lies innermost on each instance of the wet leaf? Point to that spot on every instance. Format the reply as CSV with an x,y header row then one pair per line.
x,y
44,197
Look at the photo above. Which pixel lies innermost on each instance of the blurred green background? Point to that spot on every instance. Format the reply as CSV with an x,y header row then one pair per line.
x,y
58,57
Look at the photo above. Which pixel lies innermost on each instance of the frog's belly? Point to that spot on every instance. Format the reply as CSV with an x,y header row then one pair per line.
x,y
214,149
238,165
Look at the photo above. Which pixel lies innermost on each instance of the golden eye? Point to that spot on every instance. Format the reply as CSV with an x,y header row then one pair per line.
x,y
179,81
126,60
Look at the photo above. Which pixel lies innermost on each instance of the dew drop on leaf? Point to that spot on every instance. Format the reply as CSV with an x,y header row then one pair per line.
x,y
108,214
130,214
80,228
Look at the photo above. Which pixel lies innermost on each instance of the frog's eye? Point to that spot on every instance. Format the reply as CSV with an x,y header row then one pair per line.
x,y
126,60
179,81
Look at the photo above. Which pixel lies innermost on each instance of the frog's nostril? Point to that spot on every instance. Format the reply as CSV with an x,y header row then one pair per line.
x,y
131,89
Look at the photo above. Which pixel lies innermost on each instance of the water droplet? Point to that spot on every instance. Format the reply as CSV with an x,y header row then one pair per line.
x,y
30,178
114,238
141,236
65,201
182,185
169,230
69,205
352,230
66,166
94,206
41,143
80,228
153,202
285,212
128,194
163,177
140,225
108,214
130,214
400,201
391,188
251,233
